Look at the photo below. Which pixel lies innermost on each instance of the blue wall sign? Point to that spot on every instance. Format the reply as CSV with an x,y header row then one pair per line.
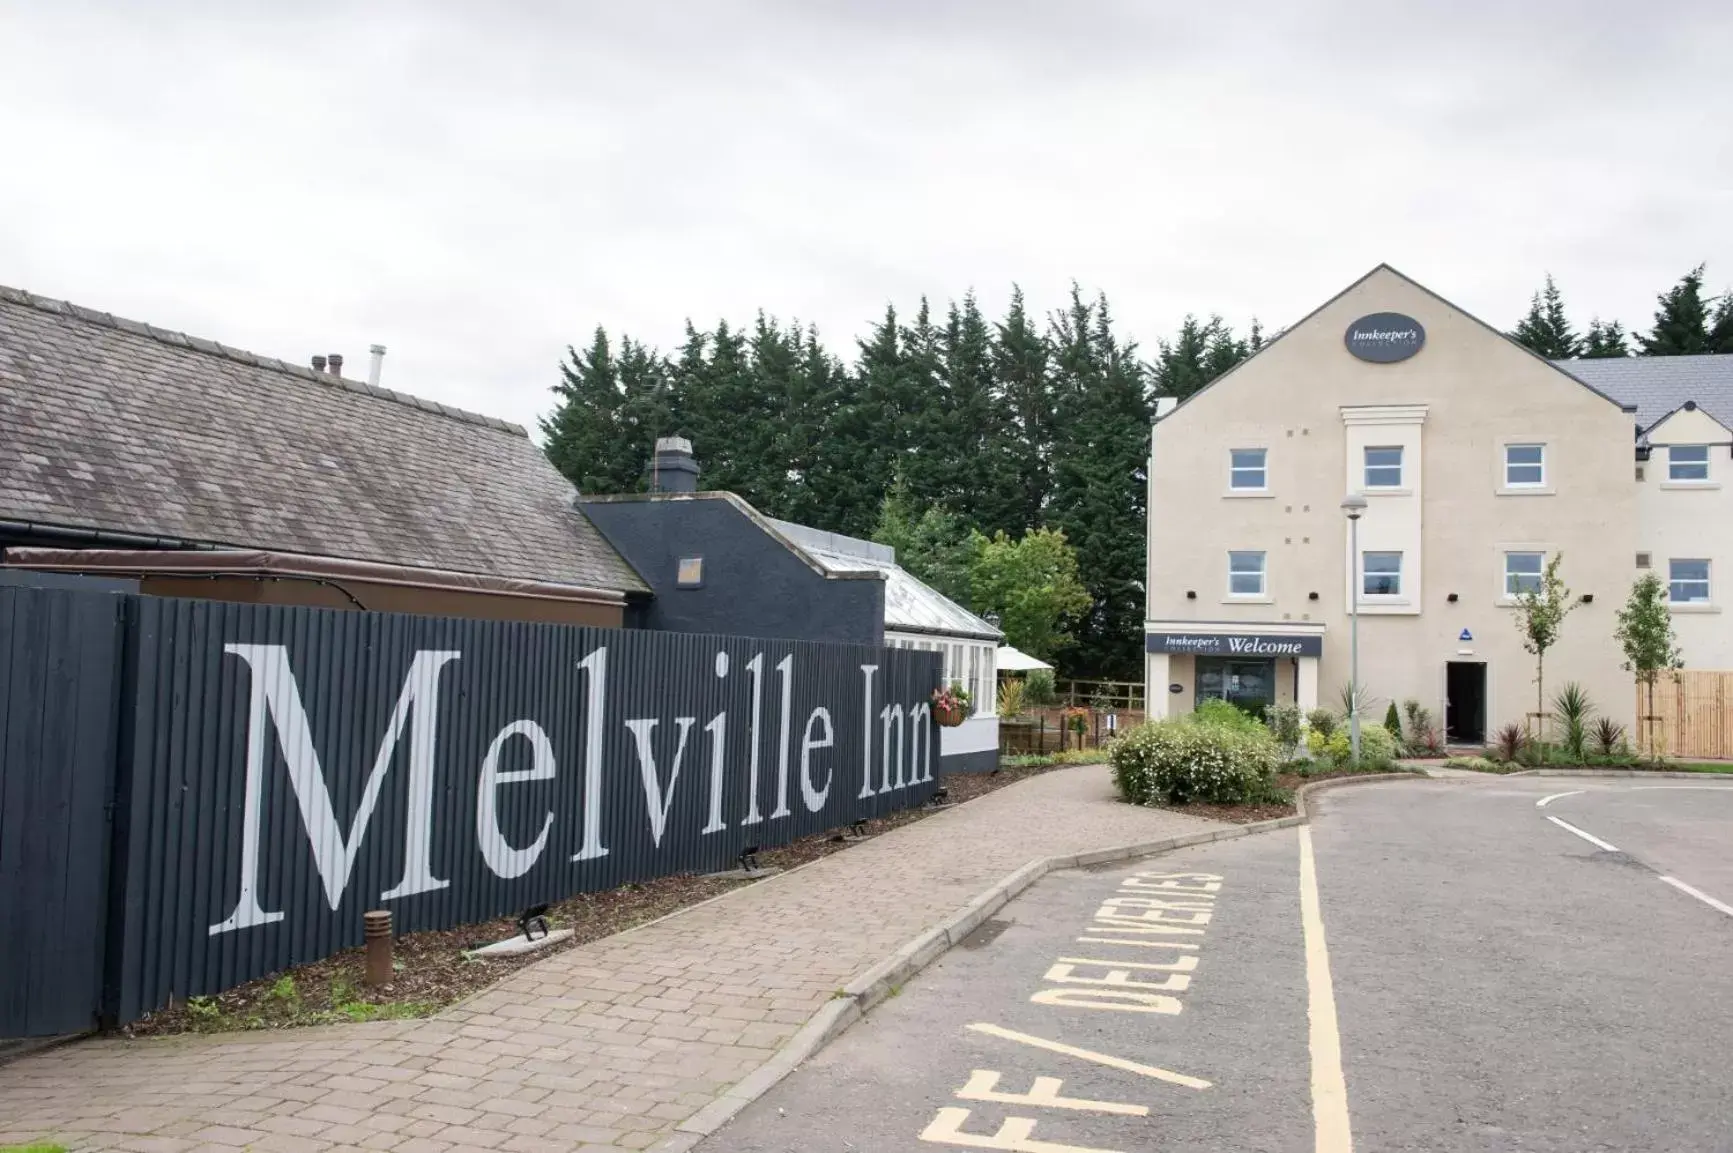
x,y
1466,636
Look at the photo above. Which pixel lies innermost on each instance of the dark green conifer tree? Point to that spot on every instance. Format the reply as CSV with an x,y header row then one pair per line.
x,y
1545,330
581,434
1681,319
1605,340
1023,390
1099,471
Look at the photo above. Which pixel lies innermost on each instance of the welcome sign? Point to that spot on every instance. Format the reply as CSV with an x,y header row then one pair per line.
x,y
1234,644
292,768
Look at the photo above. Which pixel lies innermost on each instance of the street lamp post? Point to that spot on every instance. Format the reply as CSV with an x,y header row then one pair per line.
x,y
1353,505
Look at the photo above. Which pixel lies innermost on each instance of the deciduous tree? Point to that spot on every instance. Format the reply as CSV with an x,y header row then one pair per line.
x,y
1645,632
1539,614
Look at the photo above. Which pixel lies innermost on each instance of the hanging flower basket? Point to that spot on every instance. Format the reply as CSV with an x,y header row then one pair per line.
x,y
951,706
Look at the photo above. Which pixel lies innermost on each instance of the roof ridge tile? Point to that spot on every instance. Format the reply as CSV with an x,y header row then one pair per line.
x,y
214,348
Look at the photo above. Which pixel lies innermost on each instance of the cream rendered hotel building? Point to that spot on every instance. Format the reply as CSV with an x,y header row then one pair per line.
x,y
1478,461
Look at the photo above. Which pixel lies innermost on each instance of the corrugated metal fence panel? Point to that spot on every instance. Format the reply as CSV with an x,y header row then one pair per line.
x,y
59,675
291,768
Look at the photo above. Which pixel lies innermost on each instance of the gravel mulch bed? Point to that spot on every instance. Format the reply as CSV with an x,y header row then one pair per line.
x,y
432,970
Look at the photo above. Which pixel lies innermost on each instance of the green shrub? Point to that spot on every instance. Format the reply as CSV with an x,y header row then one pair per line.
x,y
1609,737
1287,724
1322,721
1377,748
1180,760
1393,721
1219,712
1476,764
1572,709
1038,688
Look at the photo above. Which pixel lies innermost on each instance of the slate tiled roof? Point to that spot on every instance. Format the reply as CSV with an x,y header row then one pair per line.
x,y
112,424
1659,384
909,603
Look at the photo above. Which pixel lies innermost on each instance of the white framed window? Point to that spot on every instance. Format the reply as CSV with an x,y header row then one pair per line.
x,y
971,678
1245,574
1688,582
1384,467
1247,471
1381,574
1524,465
1522,572
1688,462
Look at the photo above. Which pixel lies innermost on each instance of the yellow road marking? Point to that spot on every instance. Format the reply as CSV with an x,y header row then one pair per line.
x,y
1014,1135
1089,1055
984,1086
1329,1087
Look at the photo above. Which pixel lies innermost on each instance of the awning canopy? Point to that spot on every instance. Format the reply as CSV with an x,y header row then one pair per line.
x,y
1012,660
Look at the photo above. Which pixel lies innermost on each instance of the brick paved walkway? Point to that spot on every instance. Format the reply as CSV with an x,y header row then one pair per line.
x,y
602,1047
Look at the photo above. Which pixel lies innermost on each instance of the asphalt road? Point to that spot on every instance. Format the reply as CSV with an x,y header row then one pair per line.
x,y
1499,983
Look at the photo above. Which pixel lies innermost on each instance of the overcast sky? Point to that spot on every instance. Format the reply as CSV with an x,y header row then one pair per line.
x,y
478,185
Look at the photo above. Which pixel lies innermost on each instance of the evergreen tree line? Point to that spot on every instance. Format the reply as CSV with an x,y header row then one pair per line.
x,y
1005,426
1012,425
1687,323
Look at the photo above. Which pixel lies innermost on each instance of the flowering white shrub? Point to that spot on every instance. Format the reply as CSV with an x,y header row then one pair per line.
x,y
1180,760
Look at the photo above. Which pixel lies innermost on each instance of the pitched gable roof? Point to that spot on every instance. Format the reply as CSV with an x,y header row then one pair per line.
x,y
1277,339
1659,385
115,425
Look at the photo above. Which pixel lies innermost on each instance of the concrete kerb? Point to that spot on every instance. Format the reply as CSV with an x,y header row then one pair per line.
x,y
1664,776
878,982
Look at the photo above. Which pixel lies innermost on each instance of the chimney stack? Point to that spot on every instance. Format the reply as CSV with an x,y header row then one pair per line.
x,y
376,365
318,363
672,468
336,362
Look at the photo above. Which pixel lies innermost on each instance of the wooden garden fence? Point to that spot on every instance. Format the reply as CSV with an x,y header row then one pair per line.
x,y
1690,716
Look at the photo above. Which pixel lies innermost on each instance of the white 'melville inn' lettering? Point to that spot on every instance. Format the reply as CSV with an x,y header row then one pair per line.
x,y
274,702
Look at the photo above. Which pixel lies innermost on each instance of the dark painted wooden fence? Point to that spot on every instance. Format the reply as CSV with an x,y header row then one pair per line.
x,y
60,658
276,772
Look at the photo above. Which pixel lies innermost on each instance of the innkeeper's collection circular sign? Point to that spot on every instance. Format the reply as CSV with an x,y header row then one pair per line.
x,y
1385,337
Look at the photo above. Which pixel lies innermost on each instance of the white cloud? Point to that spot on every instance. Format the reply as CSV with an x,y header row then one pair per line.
x,y
477,186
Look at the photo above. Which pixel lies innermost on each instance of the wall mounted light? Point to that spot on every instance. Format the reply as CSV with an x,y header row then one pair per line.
x,y
1191,594
1451,598
1588,598
1311,596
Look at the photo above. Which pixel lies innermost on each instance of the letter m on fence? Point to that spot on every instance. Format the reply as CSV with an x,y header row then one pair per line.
x,y
274,703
